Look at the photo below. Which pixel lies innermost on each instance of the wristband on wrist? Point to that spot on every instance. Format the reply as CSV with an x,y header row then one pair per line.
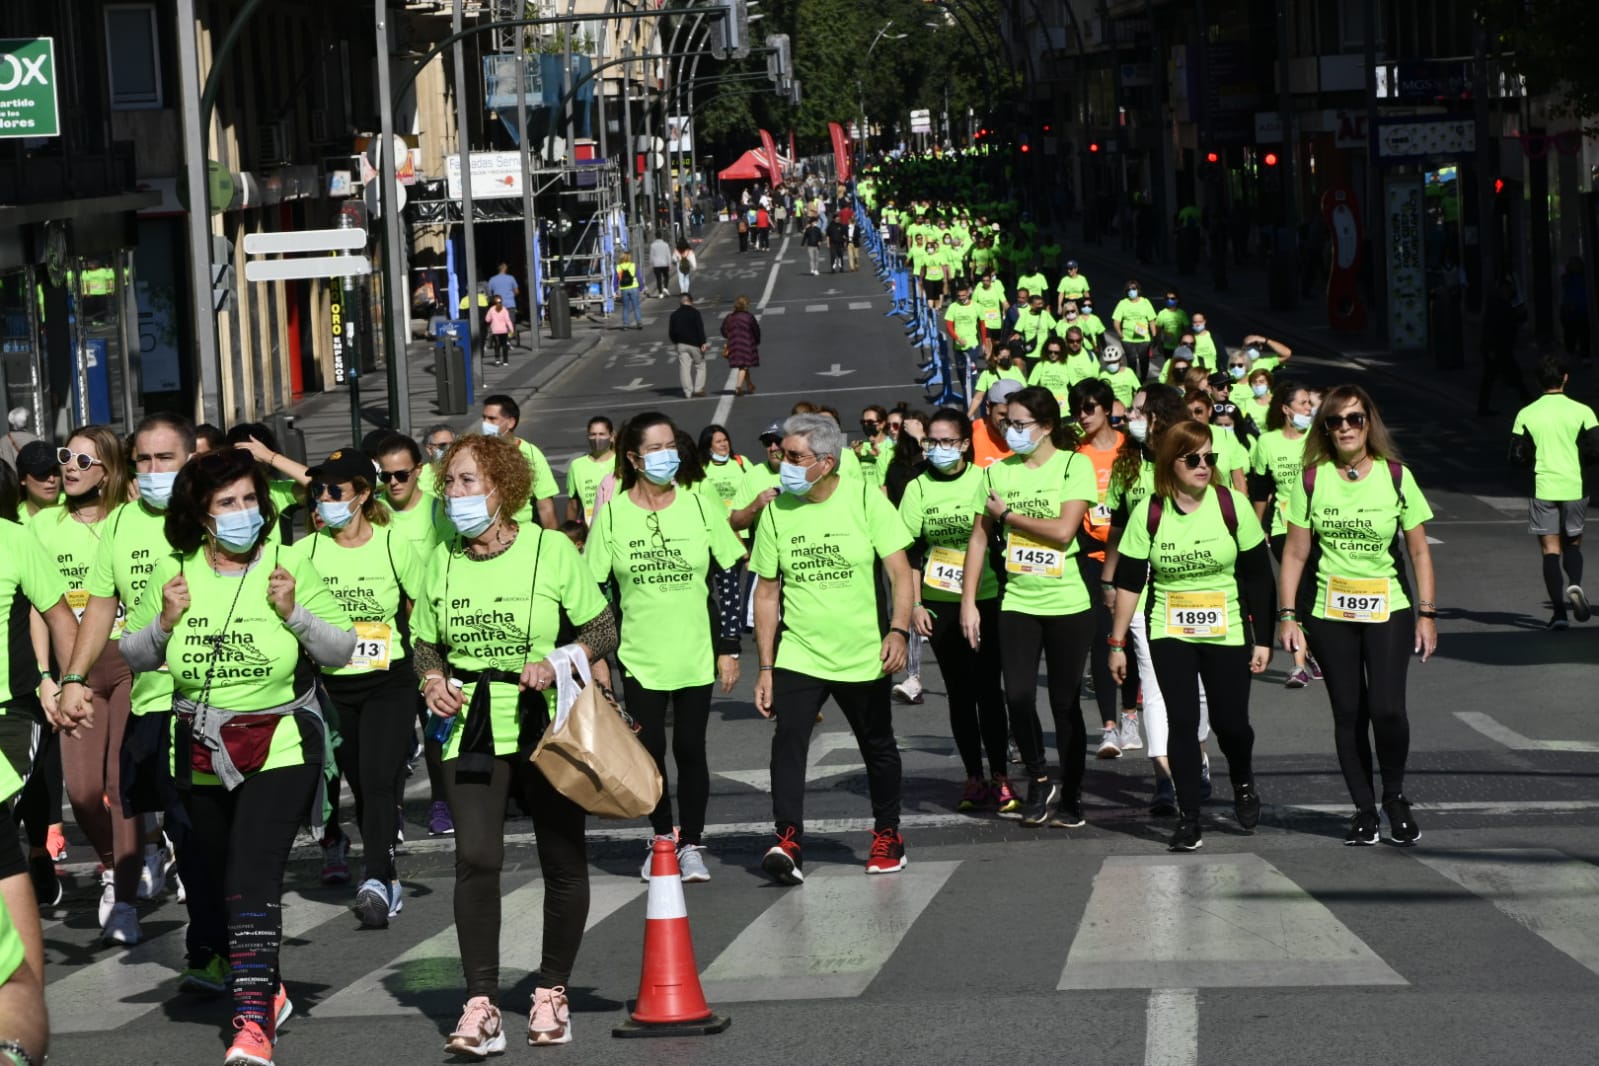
x,y
15,1053
1119,643
70,679
1287,614
1427,614
1108,586
766,668
902,632
1004,515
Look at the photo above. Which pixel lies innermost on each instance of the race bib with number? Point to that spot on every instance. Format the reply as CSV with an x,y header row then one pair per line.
x,y
1352,599
1196,614
1024,555
78,599
374,642
991,319
945,569
1099,515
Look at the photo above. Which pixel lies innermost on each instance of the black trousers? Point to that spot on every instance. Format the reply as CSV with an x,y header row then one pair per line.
x,y
976,697
479,812
1180,667
245,836
1364,665
795,700
691,712
39,802
1138,357
1105,687
1063,641
375,736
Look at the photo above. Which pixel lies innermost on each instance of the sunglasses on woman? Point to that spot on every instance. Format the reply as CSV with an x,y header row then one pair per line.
x,y
1193,459
1355,419
82,460
335,492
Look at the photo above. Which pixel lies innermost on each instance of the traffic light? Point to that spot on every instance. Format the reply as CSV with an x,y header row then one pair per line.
x,y
1270,159
1093,146
1212,158
734,38
779,64
1499,186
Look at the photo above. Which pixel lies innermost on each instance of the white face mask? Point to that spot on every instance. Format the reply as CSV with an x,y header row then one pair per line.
x,y
1301,421
491,429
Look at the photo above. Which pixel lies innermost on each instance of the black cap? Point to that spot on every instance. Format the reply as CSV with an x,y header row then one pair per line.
x,y
1220,379
773,433
37,459
346,464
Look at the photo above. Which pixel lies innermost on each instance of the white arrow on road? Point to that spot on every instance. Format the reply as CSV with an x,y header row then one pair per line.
x,y
836,372
633,386
830,292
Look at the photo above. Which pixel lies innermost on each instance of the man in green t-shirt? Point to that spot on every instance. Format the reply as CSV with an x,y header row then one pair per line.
x,y
965,324
1134,319
1073,286
1171,322
501,416
1553,436
584,475
823,539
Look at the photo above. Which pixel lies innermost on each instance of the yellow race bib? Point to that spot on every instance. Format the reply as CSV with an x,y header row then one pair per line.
x,y
946,567
1099,514
374,646
1024,555
1196,614
78,599
1352,599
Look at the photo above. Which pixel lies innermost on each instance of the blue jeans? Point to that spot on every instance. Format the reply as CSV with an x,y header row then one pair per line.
x,y
630,302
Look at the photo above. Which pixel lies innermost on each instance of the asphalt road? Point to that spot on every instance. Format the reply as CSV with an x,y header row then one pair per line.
x,y
998,943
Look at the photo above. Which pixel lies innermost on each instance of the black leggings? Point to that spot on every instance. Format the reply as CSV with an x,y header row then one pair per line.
x,y
245,836
39,802
795,700
1180,666
1105,688
1137,357
479,812
1064,641
1364,665
691,711
376,735
972,678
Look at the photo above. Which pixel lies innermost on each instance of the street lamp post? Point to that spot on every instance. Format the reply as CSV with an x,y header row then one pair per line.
x,y
860,87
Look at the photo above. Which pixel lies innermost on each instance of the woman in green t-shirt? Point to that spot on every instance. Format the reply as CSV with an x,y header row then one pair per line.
x,y
374,572
1004,361
1051,371
659,544
1206,607
496,602
241,625
96,480
937,508
1034,505
1358,502
1275,461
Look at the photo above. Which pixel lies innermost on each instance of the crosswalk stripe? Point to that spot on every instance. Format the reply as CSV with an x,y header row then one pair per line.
x,y
861,305
773,310
1546,891
1218,921
91,999
827,939
815,307
1493,729
434,965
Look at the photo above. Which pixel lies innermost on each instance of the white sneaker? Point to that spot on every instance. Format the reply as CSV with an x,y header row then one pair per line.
x,y
692,864
153,878
1127,731
396,898
122,926
1108,746
908,690
108,895
649,859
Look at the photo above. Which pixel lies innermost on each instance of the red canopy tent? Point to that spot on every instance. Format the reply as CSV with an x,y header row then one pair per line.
x,y
751,166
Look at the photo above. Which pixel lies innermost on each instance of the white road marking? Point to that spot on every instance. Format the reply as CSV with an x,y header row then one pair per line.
x,y
1490,727
1548,892
1171,1028
1217,921
773,310
435,964
861,305
826,940
813,308
116,989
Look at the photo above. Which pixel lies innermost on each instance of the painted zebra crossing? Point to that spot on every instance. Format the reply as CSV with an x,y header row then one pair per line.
x,y
1157,922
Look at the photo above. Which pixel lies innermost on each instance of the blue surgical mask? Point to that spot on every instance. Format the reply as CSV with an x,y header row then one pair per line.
x,y
1087,310
720,459
944,456
1171,303
793,479
1237,372
491,429
1301,421
1259,390
661,467
335,514
1200,327
1138,428
1132,294
237,530
156,489
1020,441
469,514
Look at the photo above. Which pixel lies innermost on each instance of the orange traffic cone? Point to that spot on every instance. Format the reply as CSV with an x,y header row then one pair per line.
x,y
670,1000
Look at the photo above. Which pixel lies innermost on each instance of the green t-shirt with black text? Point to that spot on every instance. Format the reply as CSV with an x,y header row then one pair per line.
x,y
371,581
132,543
28,577
1040,492
583,479
1193,554
940,510
1274,455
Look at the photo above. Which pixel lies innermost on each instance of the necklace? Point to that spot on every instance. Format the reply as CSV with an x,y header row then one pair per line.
x,y
1352,471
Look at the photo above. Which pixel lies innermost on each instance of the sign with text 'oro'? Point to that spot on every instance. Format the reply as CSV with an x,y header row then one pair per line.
x,y
28,105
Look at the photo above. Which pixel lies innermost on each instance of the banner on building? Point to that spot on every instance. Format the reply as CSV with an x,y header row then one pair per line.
x,y
28,106
680,135
1405,206
771,155
840,150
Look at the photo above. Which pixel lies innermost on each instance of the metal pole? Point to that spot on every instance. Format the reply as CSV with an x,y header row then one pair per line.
x,y
566,89
1289,235
1376,224
398,294
629,193
527,184
464,146
599,97
207,403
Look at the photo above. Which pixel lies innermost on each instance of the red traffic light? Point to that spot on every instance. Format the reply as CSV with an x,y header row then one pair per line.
x,y
982,133
1499,186
1270,159
1025,149
1046,127
1093,146
1212,157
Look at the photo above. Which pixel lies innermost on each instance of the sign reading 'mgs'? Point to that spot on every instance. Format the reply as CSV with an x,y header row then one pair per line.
x,y
28,88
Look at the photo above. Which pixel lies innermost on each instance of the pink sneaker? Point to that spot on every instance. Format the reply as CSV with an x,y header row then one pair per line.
x,y
550,1020
974,796
1005,801
479,1032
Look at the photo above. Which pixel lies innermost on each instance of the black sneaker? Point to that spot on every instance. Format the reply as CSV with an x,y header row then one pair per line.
x,y
1246,805
783,861
1069,816
1557,623
1362,829
1042,799
1164,803
1402,829
46,885
1579,603
1187,837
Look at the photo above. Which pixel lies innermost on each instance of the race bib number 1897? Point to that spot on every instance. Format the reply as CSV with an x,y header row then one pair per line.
x,y
1352,599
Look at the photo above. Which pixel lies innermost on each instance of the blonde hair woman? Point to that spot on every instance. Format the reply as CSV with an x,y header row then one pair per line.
x,y
743,335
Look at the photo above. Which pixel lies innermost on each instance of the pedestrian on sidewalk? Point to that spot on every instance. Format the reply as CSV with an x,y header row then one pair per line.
x,y
811,239
661,263
743,335
686,330
1501,322
499,323
504,285
627,284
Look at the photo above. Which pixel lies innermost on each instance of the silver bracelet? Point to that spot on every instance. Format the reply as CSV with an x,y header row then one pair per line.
x,y
16,1053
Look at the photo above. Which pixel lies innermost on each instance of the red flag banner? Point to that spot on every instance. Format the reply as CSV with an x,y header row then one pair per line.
x,y
793,156
840,150
771,157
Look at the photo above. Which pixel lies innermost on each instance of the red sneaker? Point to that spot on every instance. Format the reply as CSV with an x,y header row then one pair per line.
x,y
250,1048
888,852
783,860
